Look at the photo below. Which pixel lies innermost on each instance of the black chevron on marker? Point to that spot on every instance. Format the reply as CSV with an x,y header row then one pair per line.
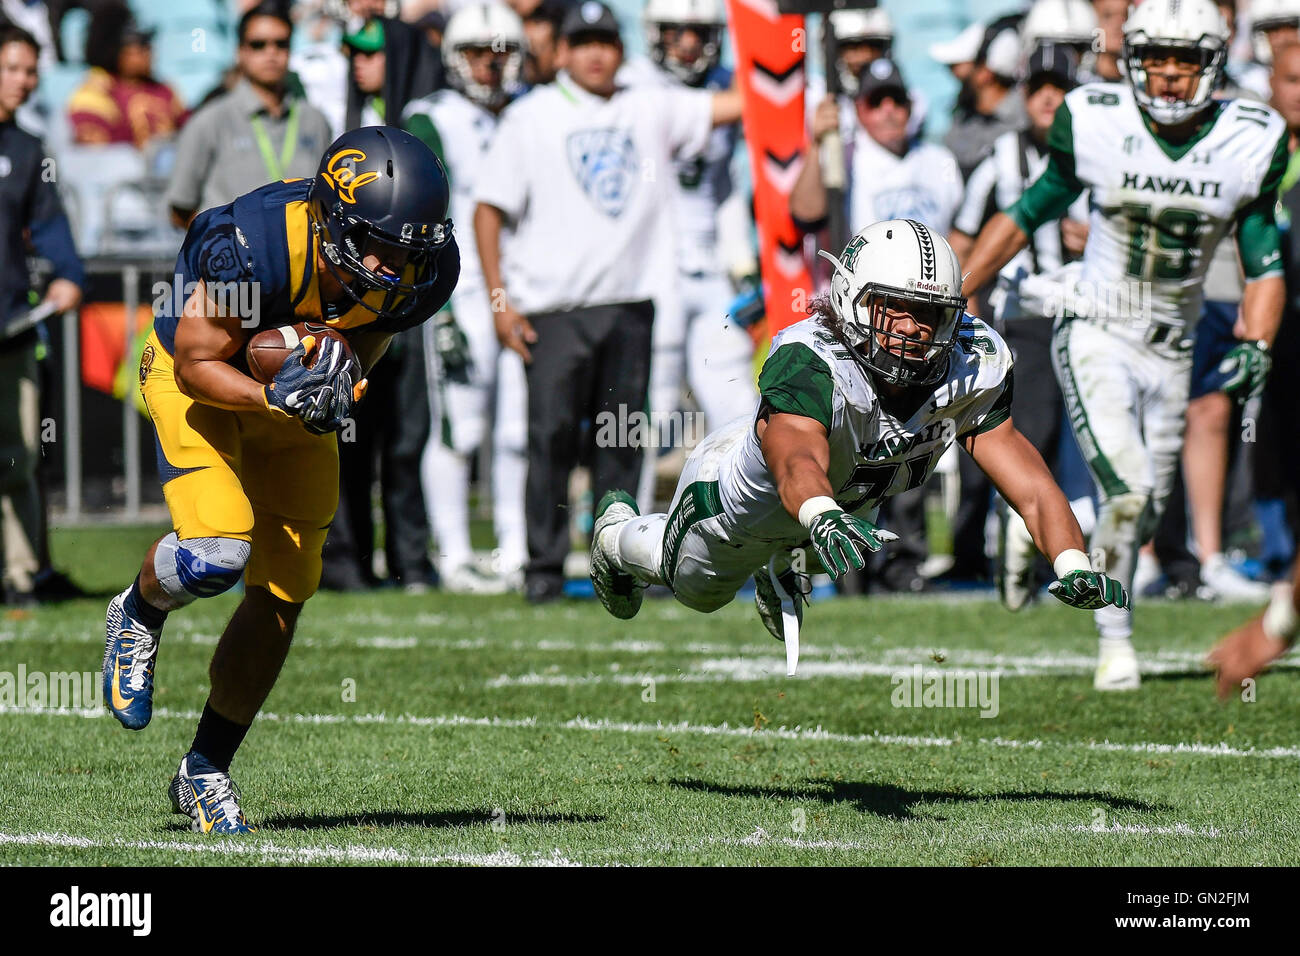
x,y
783,163
779,77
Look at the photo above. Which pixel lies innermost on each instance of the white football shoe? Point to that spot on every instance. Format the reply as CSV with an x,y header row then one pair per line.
x,y
1230,584
1019,555
468,578
1117,668
1145,574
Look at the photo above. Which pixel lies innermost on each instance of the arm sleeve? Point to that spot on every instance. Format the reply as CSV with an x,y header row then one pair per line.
x,y
979,194
502,180
422,128
687,117
1258,238
51,234
998,412
193,161
1051,194
796,381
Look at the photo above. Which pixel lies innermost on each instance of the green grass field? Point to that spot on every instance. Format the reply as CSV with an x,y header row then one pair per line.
x,y
486,731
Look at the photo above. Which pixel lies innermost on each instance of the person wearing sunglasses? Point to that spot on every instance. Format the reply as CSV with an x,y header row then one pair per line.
x,y
259,132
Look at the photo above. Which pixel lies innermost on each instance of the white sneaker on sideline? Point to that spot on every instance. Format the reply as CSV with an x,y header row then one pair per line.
x,y
468,578
1117,668
1229,583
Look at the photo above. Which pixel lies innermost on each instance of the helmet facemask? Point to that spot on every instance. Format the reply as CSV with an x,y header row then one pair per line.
x,y
896,358
407,265
695,72
509,70
1208,53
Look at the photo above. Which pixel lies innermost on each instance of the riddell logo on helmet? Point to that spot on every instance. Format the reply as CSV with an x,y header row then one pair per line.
x,y
924,285
348,181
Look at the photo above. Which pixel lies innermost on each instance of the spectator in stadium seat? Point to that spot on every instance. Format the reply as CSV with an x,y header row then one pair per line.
x,y
257,133
120,101
29,204
588,160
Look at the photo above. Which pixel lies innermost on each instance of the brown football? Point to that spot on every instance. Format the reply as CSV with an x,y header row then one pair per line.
x,y
266,351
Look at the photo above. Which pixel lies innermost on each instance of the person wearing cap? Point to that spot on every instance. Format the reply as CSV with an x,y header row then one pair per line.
x,y
391,63
861,37
120,101
579,174
257,133
1017,159
890,176
987,104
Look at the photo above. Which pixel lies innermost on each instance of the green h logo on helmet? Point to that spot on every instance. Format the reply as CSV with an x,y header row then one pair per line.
x,y
856,244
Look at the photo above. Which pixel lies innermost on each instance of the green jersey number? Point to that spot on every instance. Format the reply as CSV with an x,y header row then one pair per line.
x,y
871,482
1176,233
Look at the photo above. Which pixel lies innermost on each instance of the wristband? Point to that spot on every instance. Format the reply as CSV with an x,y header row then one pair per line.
x,y
1280,619
1072,559
810,509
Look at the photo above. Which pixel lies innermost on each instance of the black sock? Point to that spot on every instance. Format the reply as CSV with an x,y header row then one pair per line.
x,y
217,738
137,607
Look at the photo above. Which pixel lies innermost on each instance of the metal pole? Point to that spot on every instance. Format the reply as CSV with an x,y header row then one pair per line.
x,y
130,417
72,412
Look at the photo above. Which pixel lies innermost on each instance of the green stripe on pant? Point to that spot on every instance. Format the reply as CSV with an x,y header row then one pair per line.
x,y
700,500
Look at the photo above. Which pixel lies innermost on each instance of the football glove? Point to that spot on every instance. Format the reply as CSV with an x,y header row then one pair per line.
x,y
452,346
314,394
842,541
1246,366
1089,590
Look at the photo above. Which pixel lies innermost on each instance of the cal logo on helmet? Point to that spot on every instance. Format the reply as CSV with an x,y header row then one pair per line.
x,y
346,179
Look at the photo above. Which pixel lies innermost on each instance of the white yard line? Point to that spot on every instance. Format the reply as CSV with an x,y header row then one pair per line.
x,y
271,852
709,730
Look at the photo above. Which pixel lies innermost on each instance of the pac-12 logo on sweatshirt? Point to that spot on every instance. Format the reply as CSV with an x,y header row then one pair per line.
x,y
604,161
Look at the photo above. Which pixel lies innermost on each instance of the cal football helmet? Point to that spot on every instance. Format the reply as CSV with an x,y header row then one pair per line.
x,y
1266,15
898,264
708,17
491,26
381,192
1194,26
873,26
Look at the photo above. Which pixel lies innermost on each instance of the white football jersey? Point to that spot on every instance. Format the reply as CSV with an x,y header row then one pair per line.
x,y
875,451
1158,212
581,179
465,131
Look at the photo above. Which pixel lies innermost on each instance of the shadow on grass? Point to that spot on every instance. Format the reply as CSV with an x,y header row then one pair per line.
x,y
447,819
897,803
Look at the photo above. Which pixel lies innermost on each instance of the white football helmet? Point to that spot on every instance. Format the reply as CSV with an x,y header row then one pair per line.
x,y
493,26
898,264
1268,15
1194,25
860,26
708,17
1071,23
